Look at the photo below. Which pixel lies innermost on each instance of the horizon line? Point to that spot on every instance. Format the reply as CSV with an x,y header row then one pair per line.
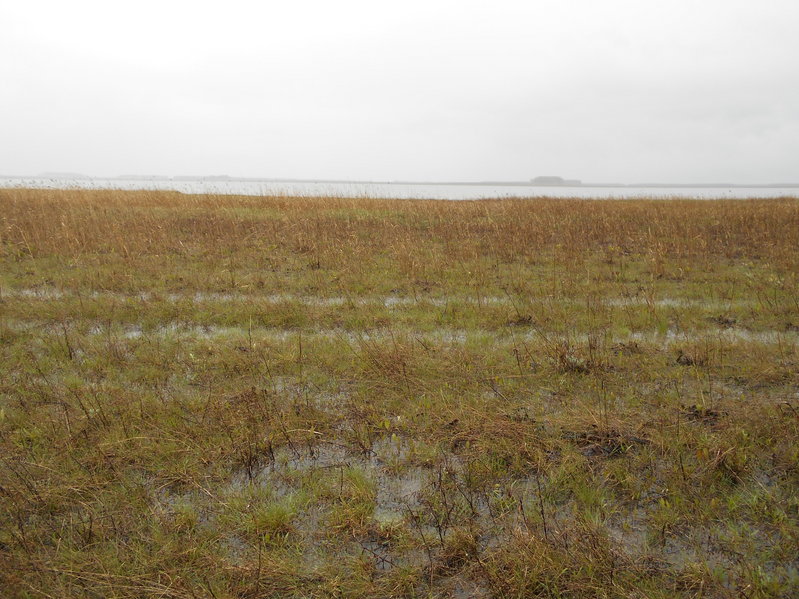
x,y
500,182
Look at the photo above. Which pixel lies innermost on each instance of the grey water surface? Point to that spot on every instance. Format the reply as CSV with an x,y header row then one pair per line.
x,y
438,191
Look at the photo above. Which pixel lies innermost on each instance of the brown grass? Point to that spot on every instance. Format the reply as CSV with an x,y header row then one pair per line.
x,y
136,223
221,396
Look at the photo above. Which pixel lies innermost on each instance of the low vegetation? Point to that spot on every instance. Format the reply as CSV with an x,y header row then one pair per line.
x,y
218,396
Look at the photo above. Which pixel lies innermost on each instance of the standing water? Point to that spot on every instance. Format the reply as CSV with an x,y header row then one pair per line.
x,y
437,191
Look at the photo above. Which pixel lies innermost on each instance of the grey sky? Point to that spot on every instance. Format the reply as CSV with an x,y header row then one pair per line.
x,y
440,90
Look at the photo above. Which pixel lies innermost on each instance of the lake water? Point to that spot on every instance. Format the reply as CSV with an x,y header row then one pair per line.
x,y
441,191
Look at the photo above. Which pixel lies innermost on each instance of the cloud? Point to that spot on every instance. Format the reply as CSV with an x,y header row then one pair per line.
x,y
617,90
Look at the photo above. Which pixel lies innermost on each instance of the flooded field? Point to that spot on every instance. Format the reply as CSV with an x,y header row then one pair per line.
x,y
277,397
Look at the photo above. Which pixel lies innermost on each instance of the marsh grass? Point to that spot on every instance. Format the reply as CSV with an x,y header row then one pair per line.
x,y
267,397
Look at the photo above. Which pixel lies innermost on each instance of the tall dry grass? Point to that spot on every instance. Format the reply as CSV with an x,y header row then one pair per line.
x,y
130,223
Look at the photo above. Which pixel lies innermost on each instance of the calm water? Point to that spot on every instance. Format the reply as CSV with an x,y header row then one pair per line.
x,y
403,190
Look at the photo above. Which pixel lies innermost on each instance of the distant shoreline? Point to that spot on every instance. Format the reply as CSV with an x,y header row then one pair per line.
x,y
226,179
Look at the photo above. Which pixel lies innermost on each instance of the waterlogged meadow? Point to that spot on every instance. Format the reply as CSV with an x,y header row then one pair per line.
x,y
219,396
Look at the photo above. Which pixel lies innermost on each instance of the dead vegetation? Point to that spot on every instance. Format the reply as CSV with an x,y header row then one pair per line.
x,y
212,396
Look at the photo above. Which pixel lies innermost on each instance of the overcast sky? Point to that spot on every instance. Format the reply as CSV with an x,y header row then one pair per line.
x,y
614,90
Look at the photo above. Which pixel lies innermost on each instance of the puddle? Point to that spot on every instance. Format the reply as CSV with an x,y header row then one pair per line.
x,y
448,336
672,337
404,492
45,293
397,484
670,302
395,492
204,332
629,531
388,301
